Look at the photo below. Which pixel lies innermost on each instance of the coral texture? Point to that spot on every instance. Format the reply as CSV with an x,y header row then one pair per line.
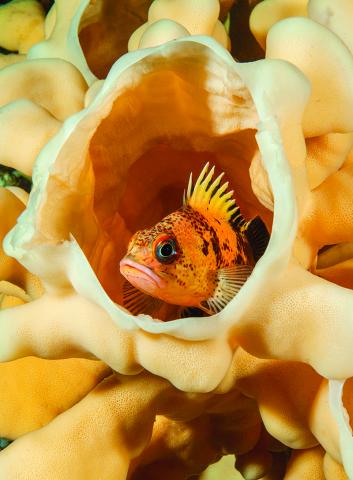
x,y
109,138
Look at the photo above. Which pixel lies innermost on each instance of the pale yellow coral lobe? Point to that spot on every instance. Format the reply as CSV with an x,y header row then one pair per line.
x,y
269,12
62,41
157,33
171,19
10,58
37,123
36,391
21,25
46,82
336,17
331,102
306,465
198,21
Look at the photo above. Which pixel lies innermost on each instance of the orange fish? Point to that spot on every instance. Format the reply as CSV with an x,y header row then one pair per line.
x,y
198,256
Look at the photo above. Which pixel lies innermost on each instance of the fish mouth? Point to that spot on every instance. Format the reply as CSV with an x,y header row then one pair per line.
x,y
131,269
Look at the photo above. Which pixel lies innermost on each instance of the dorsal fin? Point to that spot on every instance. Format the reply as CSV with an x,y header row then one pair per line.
x,y
212,197
257,235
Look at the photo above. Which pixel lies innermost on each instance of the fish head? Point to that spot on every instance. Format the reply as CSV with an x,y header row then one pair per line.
x,y
165,262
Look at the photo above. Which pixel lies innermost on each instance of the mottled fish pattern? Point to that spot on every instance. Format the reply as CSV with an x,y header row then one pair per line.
x,y
198,256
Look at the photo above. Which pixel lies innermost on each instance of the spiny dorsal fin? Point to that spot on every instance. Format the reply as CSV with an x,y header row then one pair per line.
x,y
212,197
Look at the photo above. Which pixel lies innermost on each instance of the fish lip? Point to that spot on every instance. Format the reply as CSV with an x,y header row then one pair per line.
x,y
142,269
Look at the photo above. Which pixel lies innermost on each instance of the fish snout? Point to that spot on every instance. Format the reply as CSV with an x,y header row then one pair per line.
x,y
141,276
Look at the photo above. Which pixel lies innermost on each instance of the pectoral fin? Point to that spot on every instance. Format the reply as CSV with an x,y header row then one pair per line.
x,y
228,283
139,302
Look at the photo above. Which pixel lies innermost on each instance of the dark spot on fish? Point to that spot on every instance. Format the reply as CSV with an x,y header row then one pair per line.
x,y
215,245
226,247
239,259
205,247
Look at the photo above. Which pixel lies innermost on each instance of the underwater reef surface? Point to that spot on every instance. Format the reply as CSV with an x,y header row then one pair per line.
x,y
105,109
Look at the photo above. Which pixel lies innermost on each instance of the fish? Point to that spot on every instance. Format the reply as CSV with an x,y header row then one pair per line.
x,y
197,257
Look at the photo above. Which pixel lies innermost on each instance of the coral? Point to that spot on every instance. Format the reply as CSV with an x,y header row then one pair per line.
x,y
9,59
268,378
62,39
105,29
48,387
21,25
34,119
53,84
171,19
269,12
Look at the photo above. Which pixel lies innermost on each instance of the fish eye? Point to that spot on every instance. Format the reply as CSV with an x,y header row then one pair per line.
x,y
166,250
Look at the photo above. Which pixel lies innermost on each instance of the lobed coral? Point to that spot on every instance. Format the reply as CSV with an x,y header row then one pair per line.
x,y
88,390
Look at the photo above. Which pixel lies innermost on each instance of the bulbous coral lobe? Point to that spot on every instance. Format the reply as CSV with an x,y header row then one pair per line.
x,y
158,130
109,175
196,115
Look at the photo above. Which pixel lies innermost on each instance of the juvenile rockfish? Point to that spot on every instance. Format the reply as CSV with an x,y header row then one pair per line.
x,y
198,256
